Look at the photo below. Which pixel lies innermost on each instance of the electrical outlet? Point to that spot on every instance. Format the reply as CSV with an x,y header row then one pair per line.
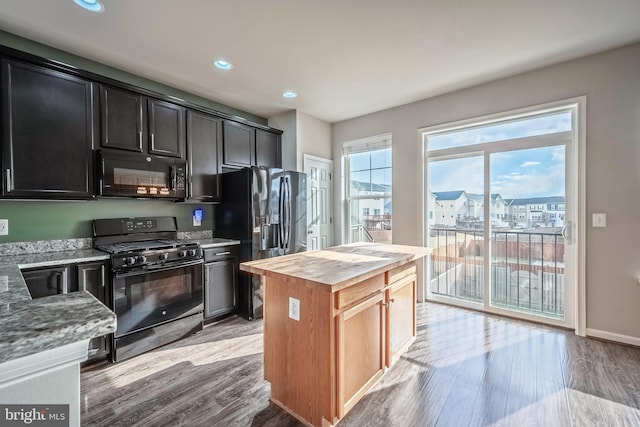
x,y
4,227
294,309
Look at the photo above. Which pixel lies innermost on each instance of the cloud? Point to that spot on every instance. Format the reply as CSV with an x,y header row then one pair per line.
x,y
558,154
527,164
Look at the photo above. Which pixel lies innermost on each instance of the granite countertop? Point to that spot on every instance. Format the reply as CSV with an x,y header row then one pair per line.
x,y
46,259
29,326
340,266
35,325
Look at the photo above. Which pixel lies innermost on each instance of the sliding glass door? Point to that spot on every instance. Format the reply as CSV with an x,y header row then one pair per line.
x,y
500,203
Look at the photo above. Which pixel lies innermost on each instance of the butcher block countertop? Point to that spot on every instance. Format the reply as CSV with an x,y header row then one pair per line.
x,y
337,267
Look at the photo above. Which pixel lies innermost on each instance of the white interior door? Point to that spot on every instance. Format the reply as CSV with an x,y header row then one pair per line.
x,y
319,202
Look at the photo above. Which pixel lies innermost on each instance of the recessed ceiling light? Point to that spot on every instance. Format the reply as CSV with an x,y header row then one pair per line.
x,y
289,94
92,5
222,64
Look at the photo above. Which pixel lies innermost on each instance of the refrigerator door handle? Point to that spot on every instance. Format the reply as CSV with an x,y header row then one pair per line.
x,y
281,201
288,223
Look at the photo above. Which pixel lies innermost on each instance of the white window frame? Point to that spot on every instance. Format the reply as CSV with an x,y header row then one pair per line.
x,y
373,141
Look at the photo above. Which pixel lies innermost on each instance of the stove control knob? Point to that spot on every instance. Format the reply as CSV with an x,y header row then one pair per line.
x,y
182,254
141,259
164,256
191,252
129,260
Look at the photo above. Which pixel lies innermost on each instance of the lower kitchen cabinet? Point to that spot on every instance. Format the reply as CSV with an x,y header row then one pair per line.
x,y
47,281
360,353
400,322
89,276
92,277
220,286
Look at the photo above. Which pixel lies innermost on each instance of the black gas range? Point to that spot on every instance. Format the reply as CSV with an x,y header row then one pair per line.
x,y
156,282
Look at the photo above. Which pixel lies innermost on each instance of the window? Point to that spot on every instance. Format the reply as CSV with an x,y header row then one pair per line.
x,y
368,188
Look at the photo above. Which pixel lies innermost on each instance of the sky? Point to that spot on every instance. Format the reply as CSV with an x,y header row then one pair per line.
x,y
536,172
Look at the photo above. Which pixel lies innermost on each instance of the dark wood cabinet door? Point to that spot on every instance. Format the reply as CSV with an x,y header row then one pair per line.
x,y
47,281
121,117
203,136
48,129
166,128
220,281
92,277
239,145
268,149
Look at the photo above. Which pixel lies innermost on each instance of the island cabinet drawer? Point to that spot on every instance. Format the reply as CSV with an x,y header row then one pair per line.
x,y
401,272
348,296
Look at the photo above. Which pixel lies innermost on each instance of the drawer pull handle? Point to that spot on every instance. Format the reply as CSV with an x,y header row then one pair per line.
x,y
223,253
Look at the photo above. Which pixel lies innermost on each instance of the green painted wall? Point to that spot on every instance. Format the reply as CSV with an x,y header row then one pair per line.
x,y
48,220
48,52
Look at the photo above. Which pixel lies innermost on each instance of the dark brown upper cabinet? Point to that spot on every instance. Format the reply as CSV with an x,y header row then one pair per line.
x,y
204,133
48,121
239,145
246,146
133,122
268,149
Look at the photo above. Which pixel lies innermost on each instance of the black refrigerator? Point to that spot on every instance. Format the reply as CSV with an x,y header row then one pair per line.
x,y
266,209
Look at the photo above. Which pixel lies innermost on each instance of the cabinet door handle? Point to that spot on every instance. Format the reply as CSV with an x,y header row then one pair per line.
x,y
392,300
153,139
223,253
104,276
8,182
65,282
140,139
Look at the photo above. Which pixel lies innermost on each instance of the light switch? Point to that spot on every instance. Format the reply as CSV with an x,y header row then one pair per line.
x,y
599,220
4,227
294,309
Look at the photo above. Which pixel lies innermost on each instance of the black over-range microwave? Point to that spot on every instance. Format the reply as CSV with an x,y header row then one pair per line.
x,y
141,175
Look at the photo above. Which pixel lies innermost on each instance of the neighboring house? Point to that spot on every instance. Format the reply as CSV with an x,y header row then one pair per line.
x,y
450,207
466,210
536,212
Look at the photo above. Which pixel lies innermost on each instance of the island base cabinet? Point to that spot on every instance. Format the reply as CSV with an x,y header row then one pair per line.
x,y
298,353
325,348
360,337
401,317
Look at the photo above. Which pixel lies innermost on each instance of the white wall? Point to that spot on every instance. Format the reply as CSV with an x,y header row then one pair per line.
x,y
287,123
611,83
303,134
313,136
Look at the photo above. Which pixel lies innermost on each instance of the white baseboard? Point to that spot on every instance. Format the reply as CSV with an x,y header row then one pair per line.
x,y
611,336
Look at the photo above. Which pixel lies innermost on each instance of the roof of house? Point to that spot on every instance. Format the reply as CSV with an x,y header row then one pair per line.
x,y
448,195
535,200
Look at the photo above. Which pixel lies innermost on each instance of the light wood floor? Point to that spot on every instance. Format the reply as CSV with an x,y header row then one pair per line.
x,y
465,369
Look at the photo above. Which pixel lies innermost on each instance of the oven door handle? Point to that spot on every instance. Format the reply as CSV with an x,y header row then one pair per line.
x,y
165,267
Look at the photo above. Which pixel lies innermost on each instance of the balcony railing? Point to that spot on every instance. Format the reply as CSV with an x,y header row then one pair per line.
x,y
527,268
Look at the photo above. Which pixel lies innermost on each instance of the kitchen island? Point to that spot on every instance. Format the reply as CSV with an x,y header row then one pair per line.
x,y
334,320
